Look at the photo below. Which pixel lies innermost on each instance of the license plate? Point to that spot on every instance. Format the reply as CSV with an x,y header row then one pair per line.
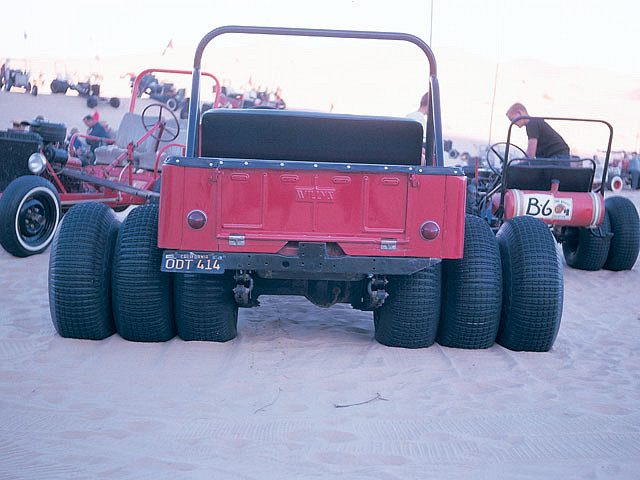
x,y
192,262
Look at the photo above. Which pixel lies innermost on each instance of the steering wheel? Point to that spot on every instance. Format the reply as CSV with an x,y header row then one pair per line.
x,y
149,114
497,150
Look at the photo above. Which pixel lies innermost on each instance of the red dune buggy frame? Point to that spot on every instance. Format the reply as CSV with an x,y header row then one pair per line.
x,y
32,206
337,208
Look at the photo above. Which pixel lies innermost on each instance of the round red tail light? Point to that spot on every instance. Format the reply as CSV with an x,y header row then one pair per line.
x,y
196,219
429,230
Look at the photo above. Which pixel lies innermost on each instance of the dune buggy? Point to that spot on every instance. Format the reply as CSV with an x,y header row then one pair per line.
x,y
337,208
15,73
42,179
595,233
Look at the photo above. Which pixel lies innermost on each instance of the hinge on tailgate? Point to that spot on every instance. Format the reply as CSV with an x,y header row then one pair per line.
x,y
413,180
388,244
236,240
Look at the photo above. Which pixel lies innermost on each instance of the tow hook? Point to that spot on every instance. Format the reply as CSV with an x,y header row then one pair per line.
x,y
243,289
376,294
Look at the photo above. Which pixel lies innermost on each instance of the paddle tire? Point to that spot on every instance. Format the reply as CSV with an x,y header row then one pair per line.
x,y
142,300
29,215
625,226
80,272
532,285
472,290
409,316
205,308
587,250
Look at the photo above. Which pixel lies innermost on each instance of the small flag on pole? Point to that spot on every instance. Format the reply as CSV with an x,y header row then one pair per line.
x,y
169,45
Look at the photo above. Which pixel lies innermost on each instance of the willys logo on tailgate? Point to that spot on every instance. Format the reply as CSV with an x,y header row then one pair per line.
x,y
315,194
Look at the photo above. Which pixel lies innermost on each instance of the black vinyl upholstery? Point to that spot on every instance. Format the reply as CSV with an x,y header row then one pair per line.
x,y
539,177
310,136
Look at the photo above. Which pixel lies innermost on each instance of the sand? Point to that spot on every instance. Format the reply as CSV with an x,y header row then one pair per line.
x,y
305,392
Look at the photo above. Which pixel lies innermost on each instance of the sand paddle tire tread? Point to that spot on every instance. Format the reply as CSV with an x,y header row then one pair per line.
x,y
142,294
205,309
80,272
625,226
409,316
472,290
586,250
29,215
532,283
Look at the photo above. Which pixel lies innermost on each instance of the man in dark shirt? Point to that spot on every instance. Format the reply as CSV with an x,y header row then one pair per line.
x,y
544,141
95,129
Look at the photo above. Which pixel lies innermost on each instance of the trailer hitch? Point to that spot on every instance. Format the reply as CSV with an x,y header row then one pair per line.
x,y
375,295
243,289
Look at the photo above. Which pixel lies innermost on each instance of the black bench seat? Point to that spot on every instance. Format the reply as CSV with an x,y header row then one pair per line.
x,y
311,137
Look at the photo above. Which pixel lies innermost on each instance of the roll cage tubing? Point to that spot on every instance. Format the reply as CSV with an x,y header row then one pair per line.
x,y
569,119
434,129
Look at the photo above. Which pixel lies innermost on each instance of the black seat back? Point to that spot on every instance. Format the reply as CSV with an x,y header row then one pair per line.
x,y
312,137
539,177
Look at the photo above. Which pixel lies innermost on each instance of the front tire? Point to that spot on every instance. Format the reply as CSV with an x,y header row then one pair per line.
x,y
29,215
625,226
472,290
409,316
142,300
533,287
80,272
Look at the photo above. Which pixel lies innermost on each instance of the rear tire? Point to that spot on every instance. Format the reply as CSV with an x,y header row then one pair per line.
x,y
205,308
409,316
472,290
586,251
92,102
80,272
114,102
29,215
142,300
625,226
533,288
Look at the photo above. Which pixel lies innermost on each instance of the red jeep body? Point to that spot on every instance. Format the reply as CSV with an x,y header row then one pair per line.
x,y
308,194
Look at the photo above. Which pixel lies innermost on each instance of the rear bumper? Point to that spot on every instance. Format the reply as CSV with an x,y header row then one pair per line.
x,y
313,262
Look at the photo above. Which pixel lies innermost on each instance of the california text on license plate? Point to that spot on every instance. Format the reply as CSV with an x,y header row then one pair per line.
x,y
192,262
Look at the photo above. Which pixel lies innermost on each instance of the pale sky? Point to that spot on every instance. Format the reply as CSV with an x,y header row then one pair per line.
x,y
584,32
587,36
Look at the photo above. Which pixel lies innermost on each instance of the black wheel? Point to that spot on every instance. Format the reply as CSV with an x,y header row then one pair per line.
x,y
172,103
114,102
409,316
587,249
625,226
532,285
34,90
59,86
205,308
80,272
92,102
472,290
615,183
29,215
142,305
27,88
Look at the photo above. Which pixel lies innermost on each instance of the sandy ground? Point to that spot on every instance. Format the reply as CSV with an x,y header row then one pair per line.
x,y
266,405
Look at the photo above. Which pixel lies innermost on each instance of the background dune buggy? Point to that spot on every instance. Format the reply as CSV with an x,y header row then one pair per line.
x,y
15,73
337,208
42,179
595,233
